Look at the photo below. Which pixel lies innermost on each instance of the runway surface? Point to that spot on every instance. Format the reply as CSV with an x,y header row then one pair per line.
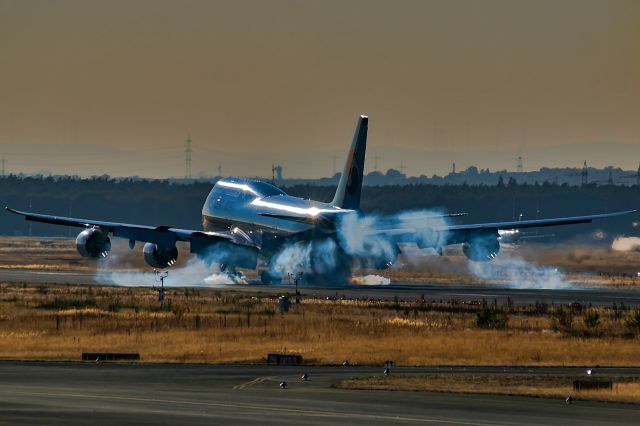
x,y
596,296
163,394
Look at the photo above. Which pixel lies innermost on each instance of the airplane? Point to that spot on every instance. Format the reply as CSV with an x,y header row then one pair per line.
x,y
247,223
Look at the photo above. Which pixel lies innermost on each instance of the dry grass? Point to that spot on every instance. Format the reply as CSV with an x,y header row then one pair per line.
x,y
205,325
625,389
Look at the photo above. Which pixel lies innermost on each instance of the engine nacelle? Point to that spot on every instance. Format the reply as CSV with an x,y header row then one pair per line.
x,y
159,256
482,249
92,242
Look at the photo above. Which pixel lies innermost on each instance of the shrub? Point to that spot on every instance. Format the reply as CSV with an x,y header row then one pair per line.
x,y
491,318
633,321
561,318
592,319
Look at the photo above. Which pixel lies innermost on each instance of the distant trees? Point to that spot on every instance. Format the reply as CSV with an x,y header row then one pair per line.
x,y
162,202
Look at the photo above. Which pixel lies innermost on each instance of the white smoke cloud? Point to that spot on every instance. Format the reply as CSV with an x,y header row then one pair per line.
x,y
370,280
294,259
519,273
426,227
626,244
193,273
361,236
225,279
370,238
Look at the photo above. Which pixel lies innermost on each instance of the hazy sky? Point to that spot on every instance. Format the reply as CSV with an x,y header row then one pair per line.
x,y
91,87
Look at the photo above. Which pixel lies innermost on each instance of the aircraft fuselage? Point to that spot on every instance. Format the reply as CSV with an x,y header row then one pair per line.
x,y
247,204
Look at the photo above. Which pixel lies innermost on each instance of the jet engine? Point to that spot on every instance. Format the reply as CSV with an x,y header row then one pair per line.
x,y
482,248
93,242
159,256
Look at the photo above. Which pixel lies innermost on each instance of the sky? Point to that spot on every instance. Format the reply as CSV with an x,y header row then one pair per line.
x,y
115,87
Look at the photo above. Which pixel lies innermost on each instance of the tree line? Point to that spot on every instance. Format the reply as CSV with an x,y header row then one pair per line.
x,y
161,202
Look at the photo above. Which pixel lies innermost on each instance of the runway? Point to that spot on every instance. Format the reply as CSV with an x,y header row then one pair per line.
x,y
163,394
597,295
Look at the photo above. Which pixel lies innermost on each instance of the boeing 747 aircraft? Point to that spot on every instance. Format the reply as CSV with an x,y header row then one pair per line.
x,y
248,223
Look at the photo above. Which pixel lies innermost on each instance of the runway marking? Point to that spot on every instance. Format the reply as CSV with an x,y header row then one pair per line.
x,y
254,382
262,408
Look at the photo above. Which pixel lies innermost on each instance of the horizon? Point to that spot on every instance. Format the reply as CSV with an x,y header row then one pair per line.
x,y
389,174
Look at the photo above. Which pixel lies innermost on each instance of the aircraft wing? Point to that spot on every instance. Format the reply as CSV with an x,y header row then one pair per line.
x,y
329,218
162,235
536,222
440,234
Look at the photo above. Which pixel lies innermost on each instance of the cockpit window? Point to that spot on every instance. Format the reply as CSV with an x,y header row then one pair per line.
x,y
266,189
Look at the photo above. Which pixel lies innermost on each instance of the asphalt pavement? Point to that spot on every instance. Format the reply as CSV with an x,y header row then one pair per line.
x,y
595,295
172,394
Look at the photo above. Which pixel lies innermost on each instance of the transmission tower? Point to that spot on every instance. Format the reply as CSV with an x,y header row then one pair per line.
x,y
585,174
520,167
375,162
4,161
276,173
187,157
402,167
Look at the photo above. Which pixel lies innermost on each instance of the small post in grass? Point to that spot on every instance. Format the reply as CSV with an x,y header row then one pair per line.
x,y
160,276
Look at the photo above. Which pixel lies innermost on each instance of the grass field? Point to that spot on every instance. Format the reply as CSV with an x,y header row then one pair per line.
x,y
58,322
625,389
209,325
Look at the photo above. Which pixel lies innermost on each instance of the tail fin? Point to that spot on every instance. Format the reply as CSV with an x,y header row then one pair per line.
x,y
350,185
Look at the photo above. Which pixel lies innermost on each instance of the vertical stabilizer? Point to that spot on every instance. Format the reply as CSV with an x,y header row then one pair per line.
x,y
350,185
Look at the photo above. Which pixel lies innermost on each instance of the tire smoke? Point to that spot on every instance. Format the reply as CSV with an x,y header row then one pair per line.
x,y
626,244
195,273
373,241
518,273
